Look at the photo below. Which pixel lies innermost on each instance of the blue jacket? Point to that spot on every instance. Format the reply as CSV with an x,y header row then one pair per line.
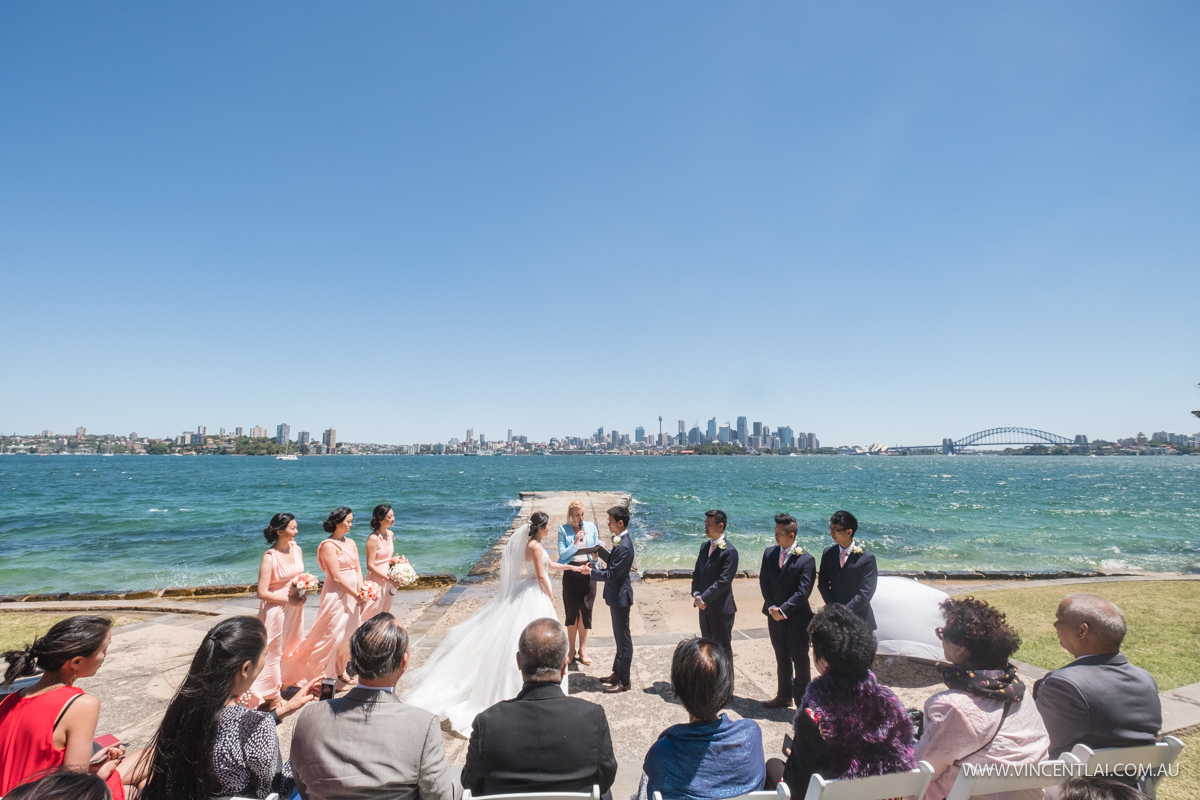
x,y
566,541
706,760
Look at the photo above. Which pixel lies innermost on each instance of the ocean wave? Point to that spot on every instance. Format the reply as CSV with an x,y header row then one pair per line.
x,y
513,503
157,511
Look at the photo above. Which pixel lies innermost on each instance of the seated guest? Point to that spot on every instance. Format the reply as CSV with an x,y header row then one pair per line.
x,y
710,757
209,743
1099,699
847,726
541,740
52,723
368,745
1089,787
65,784
985,716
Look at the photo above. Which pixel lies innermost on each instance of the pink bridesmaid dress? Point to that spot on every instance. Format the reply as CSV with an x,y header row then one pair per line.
x,y
384,603
284,623
326,649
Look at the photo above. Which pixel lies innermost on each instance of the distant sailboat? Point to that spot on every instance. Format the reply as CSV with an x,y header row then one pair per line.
x,y
287,456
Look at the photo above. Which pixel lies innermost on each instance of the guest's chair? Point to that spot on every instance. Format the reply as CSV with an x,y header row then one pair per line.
x,y
1152,760
781,792
593,795
913,783
271,796
972,781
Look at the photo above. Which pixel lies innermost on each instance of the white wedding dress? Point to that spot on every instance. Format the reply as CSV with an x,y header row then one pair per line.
x,y
907,616
475,666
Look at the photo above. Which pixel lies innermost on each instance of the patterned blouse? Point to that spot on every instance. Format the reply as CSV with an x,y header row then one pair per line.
x,y
246,758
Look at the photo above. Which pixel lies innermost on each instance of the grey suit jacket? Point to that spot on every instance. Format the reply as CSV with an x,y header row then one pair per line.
x,y
367,745
1100,701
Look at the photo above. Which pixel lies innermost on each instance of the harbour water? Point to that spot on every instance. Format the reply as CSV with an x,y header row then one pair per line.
x,y
75,523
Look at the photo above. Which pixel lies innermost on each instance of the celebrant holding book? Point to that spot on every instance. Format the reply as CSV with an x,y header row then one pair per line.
x,y
579,590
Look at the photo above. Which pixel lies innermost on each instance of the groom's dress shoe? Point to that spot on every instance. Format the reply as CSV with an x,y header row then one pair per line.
x,y
618,687
611,679
778,702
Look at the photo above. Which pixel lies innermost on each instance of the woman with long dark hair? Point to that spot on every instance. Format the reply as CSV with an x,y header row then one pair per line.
x,y
208,743
63,784
52,723
280,606
380,547
325,651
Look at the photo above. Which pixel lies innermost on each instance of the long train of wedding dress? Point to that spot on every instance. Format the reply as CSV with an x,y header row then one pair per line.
x,y
475,666
908,615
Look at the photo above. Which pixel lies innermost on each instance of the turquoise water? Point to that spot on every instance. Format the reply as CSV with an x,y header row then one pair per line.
x,y
72,523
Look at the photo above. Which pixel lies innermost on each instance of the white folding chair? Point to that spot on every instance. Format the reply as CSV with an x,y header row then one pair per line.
x,y
1149,762
271,796
913,783
781,792
974,779
593,795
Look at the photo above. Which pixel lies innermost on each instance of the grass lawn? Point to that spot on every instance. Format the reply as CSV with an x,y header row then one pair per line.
x,y
1185,785
1163,619
18,628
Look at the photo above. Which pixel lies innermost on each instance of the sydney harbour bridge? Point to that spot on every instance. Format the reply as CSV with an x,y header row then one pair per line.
x,y
998,437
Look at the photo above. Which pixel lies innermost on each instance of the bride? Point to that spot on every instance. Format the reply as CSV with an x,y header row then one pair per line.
x,y
475,666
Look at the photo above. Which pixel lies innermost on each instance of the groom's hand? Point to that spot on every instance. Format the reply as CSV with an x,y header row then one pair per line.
x,y
698,603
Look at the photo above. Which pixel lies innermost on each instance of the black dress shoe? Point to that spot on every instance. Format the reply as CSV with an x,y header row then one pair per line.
x,y
778,702
610,679
617,688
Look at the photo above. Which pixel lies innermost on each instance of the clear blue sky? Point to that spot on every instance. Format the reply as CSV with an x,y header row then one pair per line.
x,y
880,221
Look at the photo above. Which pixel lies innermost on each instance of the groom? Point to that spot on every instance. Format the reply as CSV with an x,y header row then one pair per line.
x,y
618,593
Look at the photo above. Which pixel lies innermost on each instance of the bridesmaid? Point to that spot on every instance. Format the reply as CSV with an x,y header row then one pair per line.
x,y
326,649
280,606
380,547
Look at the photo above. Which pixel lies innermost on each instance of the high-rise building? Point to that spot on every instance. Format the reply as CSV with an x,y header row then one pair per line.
x,y
283,433
509,439
47,434
682,426
812,443
202,430
712,429
639,434
742,431
132,437
237,431
258,432
197,438
470,436
600,434
329,439
694,435
482,440
303,438
758,429
80,432
785,436
222,431
723,434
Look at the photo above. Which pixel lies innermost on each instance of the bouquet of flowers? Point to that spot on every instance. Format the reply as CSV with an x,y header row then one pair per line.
x,y
401,572
305,582
369,591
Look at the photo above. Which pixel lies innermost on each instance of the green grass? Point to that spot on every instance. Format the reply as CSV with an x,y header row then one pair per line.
x,y
1163,619
1185,785
19,628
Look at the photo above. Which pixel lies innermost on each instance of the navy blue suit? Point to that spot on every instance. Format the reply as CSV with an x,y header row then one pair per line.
x,y
618,593
712,579
788,589
852,585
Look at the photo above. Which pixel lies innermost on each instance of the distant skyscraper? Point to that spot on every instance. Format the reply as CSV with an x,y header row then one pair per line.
x,y
742,432
682,426
758,431
283,433
202,430
329,439
470,436
723,434
197,438
785,436
258,432
712,428
694,435
482,440
237,431
80,432
660,436
303,438
222,431
639,434
509,435
132,437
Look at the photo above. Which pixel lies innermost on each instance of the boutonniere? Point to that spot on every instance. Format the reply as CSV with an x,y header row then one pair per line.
x,y
617,539
856,550
721,545
796,551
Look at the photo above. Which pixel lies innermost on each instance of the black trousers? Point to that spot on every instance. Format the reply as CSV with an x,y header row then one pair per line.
x,y
719,628
789,640
624,659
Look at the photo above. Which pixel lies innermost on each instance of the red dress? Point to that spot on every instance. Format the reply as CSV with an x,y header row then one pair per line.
x,y
27,738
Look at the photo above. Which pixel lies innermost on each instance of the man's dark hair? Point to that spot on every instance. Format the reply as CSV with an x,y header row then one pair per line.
x,y
788,522
620,514
844,519
718,516
543,649
702,677
1096,787
982,630
63,784
377,648
843,641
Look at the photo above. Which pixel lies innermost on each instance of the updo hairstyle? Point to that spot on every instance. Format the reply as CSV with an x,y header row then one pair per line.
x,y
74,637
538,522
336,517
378,516
278,523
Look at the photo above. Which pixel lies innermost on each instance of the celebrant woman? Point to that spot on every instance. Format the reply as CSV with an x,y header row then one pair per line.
x,y
280,604
578,589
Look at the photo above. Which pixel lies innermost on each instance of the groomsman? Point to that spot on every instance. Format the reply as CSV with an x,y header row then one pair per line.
x,y
848,572
618,593
712,582
786,580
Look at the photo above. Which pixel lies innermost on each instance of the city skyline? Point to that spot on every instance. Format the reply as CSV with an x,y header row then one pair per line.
x,y
888,223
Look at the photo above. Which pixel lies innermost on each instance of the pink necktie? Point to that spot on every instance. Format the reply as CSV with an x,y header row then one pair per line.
x,y
782,557
712,548
843,560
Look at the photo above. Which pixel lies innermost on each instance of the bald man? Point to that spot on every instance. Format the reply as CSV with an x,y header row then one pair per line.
x,y
1099,699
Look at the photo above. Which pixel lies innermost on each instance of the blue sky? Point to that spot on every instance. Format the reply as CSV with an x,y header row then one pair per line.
x,y
877,221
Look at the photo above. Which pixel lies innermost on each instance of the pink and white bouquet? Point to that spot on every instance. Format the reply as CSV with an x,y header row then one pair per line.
x,y
305,582
369,591
401,572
